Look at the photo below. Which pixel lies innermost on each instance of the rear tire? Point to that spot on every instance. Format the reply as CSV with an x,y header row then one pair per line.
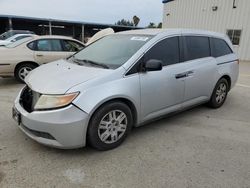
x,y
23,70
219,94
109,126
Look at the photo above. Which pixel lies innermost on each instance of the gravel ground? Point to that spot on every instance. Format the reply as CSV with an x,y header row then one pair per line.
x,y
197,148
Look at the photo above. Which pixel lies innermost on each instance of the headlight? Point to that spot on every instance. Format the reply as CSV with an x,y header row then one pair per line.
x,y
54,101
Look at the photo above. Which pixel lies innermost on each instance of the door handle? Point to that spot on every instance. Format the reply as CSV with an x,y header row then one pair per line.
x,y
39,55
184,74
190,73
181,75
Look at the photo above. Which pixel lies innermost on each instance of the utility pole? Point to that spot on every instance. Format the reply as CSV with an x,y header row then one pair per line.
x,y
10,24
50,28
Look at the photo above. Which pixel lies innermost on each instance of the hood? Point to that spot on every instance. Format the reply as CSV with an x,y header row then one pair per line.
x,y
59,76
100,34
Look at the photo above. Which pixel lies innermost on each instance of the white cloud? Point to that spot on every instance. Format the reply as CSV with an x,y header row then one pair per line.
x,y
101,11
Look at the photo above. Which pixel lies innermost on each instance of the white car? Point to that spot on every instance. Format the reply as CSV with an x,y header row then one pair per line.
x,y
20,57
14,39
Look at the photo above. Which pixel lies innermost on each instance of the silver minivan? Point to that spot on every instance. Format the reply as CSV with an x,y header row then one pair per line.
x,y
122,81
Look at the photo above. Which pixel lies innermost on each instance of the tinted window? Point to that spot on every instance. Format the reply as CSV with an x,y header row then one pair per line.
x,y
31,45
167,51
197,47
21,37
71,46
49,45
219,47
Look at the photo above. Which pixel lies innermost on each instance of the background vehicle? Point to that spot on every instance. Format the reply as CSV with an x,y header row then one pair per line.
x,y
124,80
14,39
19,58
11,33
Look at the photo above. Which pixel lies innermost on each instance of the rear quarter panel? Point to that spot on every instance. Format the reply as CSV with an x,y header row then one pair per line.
x,y
228,65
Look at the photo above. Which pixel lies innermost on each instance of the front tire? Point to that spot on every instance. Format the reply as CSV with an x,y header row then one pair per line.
x,y
109,126
23,70
219,94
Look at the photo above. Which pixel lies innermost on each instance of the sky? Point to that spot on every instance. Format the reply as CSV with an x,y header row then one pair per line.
x,y
99,11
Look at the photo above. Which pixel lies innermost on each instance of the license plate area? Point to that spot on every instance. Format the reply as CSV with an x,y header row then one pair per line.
x,y
16,115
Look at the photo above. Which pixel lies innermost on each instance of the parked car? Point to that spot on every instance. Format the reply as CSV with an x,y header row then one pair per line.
x,y
19,58
122,81
11,33
14,39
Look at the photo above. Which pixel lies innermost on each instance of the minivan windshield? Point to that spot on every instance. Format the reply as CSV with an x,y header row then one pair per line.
x,y
111,51
19,42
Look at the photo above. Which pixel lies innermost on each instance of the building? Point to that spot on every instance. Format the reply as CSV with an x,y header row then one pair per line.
x,y
231,17
44,26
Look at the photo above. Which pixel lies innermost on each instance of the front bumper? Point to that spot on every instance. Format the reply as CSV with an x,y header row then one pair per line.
x,y
64,128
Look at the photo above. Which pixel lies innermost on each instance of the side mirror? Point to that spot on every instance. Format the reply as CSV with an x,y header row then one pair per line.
x,y
153,65
13,40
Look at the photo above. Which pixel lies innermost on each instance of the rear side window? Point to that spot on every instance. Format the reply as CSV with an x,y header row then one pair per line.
x,y
31,45
49,45
197,47
166,50
219,47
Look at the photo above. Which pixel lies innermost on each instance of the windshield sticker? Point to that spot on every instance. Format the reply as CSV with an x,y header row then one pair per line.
x,y
139,38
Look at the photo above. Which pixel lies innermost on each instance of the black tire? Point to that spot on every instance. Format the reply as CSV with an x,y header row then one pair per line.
x,y
95,132
22,67
215,100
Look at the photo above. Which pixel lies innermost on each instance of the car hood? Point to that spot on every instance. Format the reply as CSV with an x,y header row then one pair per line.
x,y
59,76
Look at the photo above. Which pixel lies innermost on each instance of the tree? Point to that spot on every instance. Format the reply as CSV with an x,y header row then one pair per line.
x,y
151,25
124,22
159,25
136,20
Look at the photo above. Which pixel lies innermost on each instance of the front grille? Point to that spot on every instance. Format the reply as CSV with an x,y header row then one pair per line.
x,y
28,99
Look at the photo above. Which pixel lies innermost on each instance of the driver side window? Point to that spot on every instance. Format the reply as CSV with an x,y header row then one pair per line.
x,y
166,50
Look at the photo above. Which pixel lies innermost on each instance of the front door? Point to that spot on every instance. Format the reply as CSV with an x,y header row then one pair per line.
x,y
162,91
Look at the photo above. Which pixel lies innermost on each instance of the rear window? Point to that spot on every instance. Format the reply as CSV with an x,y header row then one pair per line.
x,y
219,47
197,47
19,42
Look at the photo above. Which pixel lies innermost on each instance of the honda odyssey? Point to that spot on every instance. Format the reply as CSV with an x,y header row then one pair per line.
x,y
122,81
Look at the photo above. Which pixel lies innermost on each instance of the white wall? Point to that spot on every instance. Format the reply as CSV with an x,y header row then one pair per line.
x,y
199,14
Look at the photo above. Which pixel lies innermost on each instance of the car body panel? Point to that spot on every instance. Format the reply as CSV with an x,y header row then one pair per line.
x,y
170,92
64,75
58,123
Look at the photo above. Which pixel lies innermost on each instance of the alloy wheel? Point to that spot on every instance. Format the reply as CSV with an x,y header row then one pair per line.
x,y
112,126
221,93
23,72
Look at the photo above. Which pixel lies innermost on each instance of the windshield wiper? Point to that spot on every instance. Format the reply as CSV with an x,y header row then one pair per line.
x,y
79,61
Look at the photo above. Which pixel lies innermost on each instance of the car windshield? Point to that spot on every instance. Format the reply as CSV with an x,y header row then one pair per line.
x,y
19,42
5,35
111,51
